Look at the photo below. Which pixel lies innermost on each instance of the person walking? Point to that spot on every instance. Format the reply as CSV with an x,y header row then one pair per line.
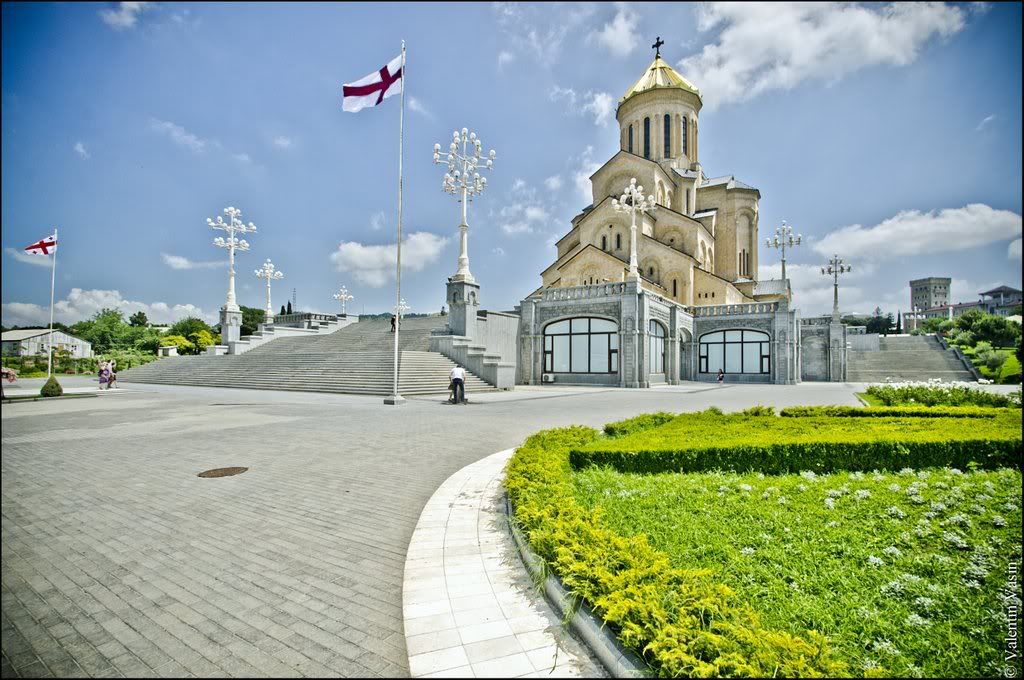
x,y
104,374
458,376
721,376
392,323
112,381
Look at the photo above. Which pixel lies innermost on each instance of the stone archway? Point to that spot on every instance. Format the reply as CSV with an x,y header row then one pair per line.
x,y
686,349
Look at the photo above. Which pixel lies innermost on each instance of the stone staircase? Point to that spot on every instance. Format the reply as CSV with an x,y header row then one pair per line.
x,y
914,357
357,359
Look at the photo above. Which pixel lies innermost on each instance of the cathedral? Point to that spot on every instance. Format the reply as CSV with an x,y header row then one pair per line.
x,y
661,285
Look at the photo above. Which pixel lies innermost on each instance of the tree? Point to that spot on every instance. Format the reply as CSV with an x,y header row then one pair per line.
x,y
289,307
148,341
201,340
878,323
282,311
252,317
138,319
996,329
966,321
182,343
106,330
186,327
899,323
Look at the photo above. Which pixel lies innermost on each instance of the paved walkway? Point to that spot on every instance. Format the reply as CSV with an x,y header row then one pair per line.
x,y
117,560
471,609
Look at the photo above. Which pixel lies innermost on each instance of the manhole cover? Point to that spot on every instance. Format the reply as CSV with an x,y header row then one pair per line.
x,y
223,472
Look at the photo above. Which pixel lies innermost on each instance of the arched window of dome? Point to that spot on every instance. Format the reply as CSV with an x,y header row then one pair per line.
x,y
667,149
647,137
631,138
675,288
682,137
604,243
618,242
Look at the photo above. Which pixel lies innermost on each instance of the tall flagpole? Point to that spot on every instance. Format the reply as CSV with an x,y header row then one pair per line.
x,y
53,280
395,397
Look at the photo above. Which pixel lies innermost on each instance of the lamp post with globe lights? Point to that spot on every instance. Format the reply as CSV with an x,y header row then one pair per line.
x,y
633,201
268,272
784,239
463,180
401,308
343,297
835,267
230,314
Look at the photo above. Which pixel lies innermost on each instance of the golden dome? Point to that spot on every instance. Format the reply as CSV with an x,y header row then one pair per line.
x,y
659,75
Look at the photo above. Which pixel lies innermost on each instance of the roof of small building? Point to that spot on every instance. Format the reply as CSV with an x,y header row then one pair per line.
x,y
26,333
729,181
707,212
660,75
772,287
1000,289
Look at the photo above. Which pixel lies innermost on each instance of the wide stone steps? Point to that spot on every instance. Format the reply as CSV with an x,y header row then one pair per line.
x,y
357,359
906,358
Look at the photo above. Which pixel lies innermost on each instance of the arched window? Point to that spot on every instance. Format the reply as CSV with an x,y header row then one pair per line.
x,y
668,137
656,343
682,137
737,351
647,137
583,345
618,242
631,138
604,243
675,288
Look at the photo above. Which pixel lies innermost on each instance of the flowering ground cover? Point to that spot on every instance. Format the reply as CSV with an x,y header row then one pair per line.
x,y
938,394
903,572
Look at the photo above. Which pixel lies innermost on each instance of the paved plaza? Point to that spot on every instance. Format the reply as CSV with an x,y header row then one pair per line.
x,y
119,561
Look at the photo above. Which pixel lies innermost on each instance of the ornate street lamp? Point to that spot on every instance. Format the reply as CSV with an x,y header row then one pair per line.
x,y
463,180
835,268
343,297
784,239
232,226
633,202
267,271
401,308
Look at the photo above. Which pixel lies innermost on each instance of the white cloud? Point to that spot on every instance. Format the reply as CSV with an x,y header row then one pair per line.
x,y
505,57
377,220
524,211
83,304
775,45
179,262
374,265
539,30
1013,252
912,232
28,258
553,183
812,291
242,157
586,166
499,251
984,122
125,16
80,150
601,105
416,105
619,36
282,142
179,135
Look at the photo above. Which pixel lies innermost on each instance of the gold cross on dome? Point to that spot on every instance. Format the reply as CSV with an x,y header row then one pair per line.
x,y
657,46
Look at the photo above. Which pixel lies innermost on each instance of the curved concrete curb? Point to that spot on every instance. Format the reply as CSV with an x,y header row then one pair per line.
x,y
619,661
469,606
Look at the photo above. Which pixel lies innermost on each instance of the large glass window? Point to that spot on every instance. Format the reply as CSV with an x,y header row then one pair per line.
x,y
582,345
682,137
668,137
656,343
647,137
735,351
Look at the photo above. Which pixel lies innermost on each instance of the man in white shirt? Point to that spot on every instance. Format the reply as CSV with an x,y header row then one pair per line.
x,y
458,376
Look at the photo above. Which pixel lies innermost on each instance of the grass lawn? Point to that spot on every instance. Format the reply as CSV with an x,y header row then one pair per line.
x,y
902,571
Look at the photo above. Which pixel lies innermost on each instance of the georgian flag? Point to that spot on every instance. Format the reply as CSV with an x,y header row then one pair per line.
x,y
374,88
44,247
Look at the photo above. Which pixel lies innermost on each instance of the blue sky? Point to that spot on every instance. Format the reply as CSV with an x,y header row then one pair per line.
x,y
891,135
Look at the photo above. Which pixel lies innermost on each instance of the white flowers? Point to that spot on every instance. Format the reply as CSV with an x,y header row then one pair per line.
x,y
955,540
809,475
894,512
745,487
747,551
830,503
917,620
861,494
875,561
895,487
958,520
892,551
999,521
782,500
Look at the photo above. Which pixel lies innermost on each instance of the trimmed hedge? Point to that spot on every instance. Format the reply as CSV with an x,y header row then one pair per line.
x,y
646,421
889,412
917,394
701,443
51,388
681,621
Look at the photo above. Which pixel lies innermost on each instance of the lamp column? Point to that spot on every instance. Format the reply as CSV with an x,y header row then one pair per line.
x,y
230,314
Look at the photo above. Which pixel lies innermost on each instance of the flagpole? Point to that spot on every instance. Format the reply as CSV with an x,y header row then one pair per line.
x,y
395,397
53,280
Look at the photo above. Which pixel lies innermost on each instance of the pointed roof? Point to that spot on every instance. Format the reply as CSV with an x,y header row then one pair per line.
x,y
660,75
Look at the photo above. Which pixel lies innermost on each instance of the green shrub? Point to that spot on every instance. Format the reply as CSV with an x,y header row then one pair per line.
x,y
939,395
681,621
889,412
759,411
964,339
643,422
701,443
51,388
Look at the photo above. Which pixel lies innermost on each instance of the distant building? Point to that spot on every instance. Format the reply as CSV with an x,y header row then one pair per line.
x,y
1000,301
34,341
929,293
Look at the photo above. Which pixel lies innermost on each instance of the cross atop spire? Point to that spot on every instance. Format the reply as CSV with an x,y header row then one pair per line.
x,y
657,46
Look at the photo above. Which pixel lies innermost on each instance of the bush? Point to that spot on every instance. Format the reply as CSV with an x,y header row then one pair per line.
x,y
681,621
889,412
903,394
701,443
964,339
992,359
52,388
182,343
759,411
645,422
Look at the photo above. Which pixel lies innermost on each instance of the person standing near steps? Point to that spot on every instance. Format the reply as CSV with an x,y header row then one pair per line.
x,y
458,376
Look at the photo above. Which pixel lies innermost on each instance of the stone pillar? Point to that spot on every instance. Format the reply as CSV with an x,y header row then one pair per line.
x,y
837,352
230,326
672,367
464,300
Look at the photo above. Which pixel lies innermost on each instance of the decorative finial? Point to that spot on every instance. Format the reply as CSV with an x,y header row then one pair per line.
x,y
657,47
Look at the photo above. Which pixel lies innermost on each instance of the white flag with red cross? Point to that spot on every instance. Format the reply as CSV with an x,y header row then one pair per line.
x,y
374,88
43,247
